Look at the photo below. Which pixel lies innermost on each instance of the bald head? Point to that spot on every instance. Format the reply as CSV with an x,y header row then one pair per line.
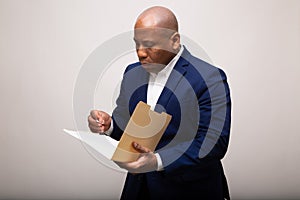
x,y
156,38
157,17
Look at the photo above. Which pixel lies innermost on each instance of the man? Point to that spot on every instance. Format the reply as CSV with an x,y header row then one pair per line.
x,y
186,163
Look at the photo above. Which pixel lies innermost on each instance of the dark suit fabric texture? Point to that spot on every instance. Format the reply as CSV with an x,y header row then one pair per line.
x,y
198,98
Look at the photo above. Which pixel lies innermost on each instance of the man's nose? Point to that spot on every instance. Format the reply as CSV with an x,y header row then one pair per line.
x,y
142,53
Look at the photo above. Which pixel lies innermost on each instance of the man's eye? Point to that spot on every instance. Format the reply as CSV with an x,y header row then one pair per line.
x,y
148,44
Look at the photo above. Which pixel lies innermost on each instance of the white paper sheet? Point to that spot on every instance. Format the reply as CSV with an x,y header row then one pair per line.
x,y
103,144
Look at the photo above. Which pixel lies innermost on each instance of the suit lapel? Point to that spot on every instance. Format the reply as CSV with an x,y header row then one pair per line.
x,y
144,79
174,79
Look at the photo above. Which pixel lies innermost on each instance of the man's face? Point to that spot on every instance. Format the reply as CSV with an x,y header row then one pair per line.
x,y
154,48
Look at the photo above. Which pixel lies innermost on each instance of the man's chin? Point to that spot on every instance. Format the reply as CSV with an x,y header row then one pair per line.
x,y
152,68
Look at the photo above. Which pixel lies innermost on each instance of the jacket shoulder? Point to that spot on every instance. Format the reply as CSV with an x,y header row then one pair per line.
x,y
132,66
207,70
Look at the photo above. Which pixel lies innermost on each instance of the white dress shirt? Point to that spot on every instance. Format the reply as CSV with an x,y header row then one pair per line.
x,y
156,84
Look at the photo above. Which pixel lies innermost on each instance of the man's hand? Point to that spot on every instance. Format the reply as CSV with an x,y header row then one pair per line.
x,y
145,163
99,121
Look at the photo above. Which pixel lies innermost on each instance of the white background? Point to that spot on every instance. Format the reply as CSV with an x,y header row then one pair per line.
x,y
43,45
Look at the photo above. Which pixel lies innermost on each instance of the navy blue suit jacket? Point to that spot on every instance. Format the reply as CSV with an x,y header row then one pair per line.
x,y
197,96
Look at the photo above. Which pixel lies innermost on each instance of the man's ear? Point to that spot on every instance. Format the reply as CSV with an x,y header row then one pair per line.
x,y
175,41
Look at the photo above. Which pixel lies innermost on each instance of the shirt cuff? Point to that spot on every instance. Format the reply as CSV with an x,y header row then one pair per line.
x,y
109,131
160,167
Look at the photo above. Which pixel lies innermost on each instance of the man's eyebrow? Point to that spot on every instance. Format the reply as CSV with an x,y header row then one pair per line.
x,y
143,41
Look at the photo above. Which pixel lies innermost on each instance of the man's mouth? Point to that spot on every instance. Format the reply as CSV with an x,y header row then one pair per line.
x,y
144,62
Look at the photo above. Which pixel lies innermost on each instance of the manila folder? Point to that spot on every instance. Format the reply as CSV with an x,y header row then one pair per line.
x,y
144,127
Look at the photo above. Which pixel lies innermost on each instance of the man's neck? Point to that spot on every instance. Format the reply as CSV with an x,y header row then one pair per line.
x,y
174,58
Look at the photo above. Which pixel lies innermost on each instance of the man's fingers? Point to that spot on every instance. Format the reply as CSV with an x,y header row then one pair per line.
x,y
94,129
96,118
92,121
94,126
104,118
140,148
100,117
97,129
95,114
99,121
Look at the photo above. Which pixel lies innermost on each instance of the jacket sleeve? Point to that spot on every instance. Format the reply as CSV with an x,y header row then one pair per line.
x,y
212,126
133,89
